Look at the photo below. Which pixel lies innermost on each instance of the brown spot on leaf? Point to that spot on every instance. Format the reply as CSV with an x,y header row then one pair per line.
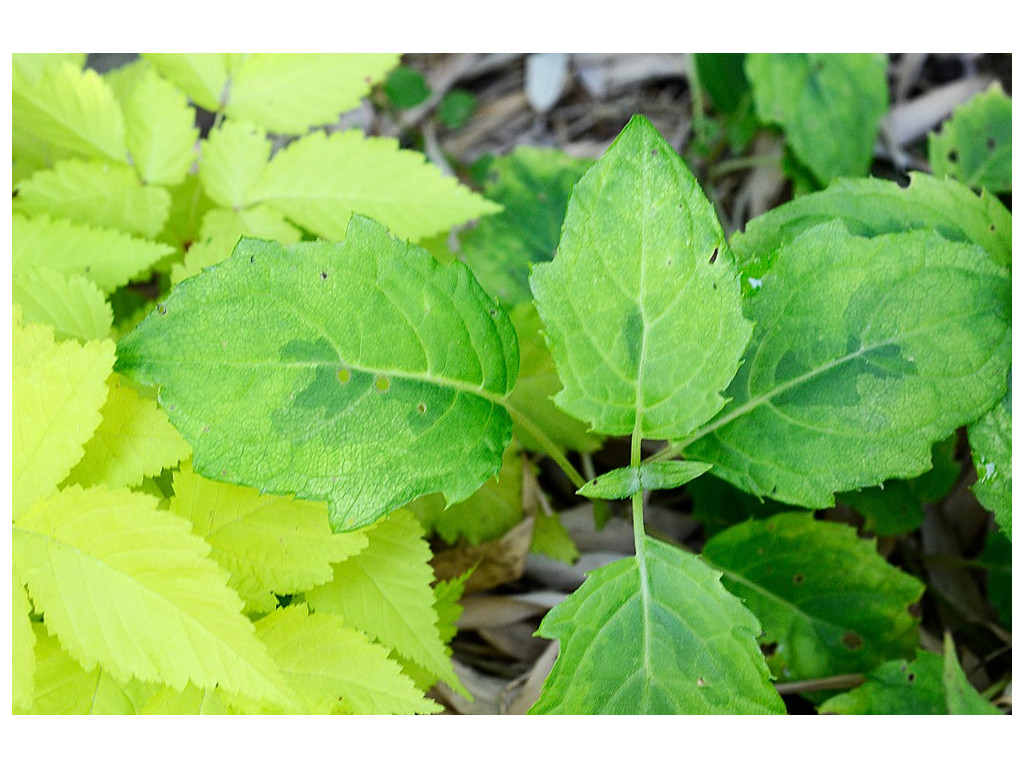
x,y
852,640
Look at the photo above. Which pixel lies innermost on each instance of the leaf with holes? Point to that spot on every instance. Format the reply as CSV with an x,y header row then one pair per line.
x,y
660,637
642,302
975,144
317,369
828,602
865,352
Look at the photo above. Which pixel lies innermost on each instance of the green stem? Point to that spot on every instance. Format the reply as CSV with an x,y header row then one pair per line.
x,y
545,442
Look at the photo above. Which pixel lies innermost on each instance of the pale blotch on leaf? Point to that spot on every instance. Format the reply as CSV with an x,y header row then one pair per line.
x,y
382,384
344,376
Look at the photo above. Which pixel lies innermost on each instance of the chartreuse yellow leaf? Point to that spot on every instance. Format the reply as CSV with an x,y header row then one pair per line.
x,y
336,669
290,92
72,109
385,592
318,369
97,193
320,180
129,587
108,257
57,391
202,76
271,545
190,701
32,65
161,130
64,687
135,440
22,645
73,305
234,155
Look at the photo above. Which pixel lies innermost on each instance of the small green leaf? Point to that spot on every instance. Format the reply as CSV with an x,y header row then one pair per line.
x,y
134,441
385,591
865,352
58,389
72,109
830,106
532,185
318,181
456,108
623,482
961,697
826,598
92,192
319,368
895,688
642,302
975,145
870,207
161,130
128,586
405,87
658,635
991,439
271,545
290,92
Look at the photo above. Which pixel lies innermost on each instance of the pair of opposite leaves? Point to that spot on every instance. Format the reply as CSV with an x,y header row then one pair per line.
x,y
367,374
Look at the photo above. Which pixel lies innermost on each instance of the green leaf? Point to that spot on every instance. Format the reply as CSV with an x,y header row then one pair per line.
x,y
318,181
385,591
641,251
997,557
290,92
991,439
655,636
929,685
271,545
456,108
826,598
22,646
623,482
975,144
718,504
870,207
830,106
537,384
259,221
551,539
128,586
202,76
91,192
488,514
532,185
57,392
405,87
73,305
134,441
332,363
189,701
334,667
961,697
72,109
107,257
233,157
723,77
895,688
161,130
63,687
865,352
